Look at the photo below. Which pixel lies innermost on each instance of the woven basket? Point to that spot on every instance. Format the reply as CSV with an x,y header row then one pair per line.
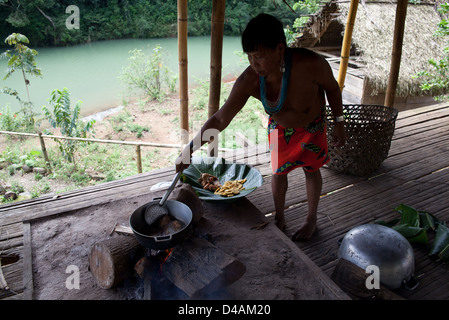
x,y
369,130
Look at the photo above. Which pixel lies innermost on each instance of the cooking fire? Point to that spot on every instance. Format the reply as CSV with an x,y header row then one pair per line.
x,y
174,261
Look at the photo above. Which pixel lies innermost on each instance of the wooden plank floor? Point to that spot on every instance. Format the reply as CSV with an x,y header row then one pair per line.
x,y
415,173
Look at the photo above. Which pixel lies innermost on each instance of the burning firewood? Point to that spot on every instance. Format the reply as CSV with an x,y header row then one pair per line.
x,y
209,182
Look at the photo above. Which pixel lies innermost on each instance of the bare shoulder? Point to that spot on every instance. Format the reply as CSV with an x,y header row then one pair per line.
x,y
247,82
308,65
305,56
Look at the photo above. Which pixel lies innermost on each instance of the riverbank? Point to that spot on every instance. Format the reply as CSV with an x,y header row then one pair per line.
x,y
137,121
91,71
140,120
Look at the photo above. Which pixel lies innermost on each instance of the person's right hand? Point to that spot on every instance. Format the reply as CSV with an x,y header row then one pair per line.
x,y
184,159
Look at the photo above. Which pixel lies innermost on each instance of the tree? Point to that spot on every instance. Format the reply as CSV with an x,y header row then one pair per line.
x,y
436,81
67,120
304,7
147,73
21,58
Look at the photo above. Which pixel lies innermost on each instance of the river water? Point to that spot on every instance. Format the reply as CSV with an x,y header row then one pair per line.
x,y
91,71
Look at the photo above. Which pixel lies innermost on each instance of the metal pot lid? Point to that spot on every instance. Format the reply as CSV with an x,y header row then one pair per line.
x,y
374,244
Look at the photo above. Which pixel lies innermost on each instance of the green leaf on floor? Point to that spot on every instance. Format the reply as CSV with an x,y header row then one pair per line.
x,y
414,226
441,242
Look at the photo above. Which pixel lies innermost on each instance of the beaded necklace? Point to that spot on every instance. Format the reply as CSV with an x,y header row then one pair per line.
x,y
276,106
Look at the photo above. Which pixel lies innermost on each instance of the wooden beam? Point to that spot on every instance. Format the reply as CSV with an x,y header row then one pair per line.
x,y
346,47
399,26
183,71
216,53
28,286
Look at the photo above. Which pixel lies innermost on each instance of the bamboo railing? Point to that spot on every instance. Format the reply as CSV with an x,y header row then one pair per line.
x,y
137,144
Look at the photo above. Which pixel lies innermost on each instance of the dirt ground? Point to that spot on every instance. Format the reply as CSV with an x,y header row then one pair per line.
x,y
159,116
66,241
62,244
273,270
83,229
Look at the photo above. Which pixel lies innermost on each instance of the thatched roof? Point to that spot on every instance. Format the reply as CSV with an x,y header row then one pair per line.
x,y
373,40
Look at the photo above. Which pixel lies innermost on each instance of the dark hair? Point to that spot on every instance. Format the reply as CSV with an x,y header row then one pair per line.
x,y
263,31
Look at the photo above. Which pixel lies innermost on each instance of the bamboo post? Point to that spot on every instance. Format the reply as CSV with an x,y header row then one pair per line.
x,y
346,47
44,151
216,53
138,159
399,26
183,75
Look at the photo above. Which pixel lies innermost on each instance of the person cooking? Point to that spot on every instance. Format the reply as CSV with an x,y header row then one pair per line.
x,y
292,84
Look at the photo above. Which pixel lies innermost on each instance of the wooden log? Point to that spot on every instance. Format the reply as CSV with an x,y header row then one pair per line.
x,y
352,279
111,261
197,267
146,269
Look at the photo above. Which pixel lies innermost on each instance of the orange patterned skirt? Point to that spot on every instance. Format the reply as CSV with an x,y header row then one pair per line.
x,y
298,147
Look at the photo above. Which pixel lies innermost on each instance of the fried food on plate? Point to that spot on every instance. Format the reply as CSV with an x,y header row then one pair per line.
x,y
231,188
209,182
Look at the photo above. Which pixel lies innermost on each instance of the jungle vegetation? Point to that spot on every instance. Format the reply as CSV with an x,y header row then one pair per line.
x,y
45,21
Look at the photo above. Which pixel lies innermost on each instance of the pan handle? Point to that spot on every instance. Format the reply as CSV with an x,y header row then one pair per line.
x,y
170,189
163,238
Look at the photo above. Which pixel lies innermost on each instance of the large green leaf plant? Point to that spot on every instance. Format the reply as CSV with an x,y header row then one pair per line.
x,y
68,122
21,58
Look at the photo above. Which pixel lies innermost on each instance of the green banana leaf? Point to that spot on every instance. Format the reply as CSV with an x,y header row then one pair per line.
x,y
407,231
414,226
409,215
410,224
413,234
441,242
428,221
444,254
224,171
